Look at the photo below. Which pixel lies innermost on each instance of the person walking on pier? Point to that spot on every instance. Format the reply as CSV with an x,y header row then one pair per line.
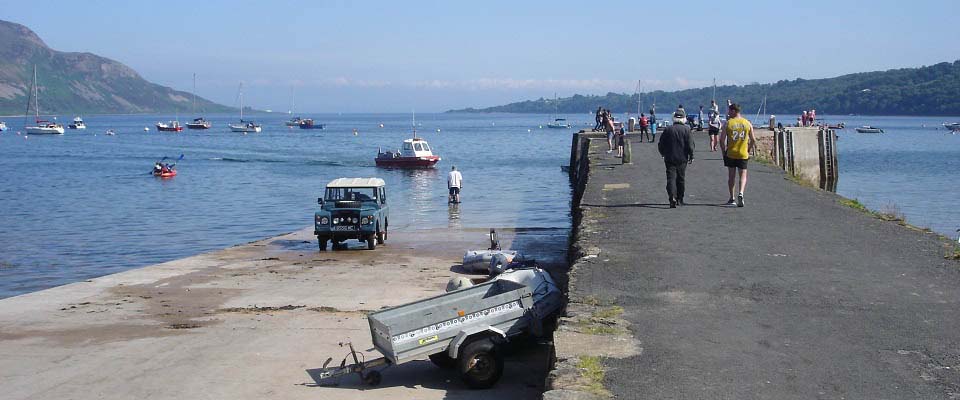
x,y
714,130
700,119
653,126
598,117
608,127
454,183
676,147
736,140
644,126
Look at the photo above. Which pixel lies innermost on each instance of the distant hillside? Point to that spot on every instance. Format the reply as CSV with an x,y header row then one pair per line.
x,y
933,90
80,83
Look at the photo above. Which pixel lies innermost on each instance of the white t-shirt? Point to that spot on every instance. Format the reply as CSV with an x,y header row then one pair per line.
x,y
454,178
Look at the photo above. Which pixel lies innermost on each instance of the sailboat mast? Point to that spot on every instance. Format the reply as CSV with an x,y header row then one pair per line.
x,y
36,92
240,93
414,124
194,109
639,93
714,97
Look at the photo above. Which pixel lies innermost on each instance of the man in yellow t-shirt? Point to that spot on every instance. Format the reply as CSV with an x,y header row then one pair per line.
x,y
736,142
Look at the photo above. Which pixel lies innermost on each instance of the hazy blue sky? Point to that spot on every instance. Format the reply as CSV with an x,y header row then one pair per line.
x,y
354,56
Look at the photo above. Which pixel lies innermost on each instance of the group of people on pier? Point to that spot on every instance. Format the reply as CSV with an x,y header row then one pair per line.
x,y
733,138
807,118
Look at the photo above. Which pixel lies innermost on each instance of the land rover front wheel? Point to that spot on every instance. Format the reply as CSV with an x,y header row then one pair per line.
x,y
372,241
381,235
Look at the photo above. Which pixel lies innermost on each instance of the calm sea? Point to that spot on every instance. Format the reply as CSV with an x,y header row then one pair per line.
x,y
83,204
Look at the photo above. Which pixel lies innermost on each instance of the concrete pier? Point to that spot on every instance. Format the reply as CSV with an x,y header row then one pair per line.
x,y
250,322
795,296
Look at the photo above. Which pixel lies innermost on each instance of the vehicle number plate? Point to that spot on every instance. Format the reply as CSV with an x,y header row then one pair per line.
x,y
344,228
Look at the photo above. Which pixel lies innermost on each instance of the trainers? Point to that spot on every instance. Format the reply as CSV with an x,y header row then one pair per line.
x,y
740,200
609,151
731,203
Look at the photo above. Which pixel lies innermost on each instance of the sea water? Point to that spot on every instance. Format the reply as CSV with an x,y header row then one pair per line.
x,y
84,204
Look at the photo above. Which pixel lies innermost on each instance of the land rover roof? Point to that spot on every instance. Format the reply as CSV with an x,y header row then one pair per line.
x,y
356,183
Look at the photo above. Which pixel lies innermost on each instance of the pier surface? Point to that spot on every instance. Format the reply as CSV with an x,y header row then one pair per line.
x,y
794,296
250,322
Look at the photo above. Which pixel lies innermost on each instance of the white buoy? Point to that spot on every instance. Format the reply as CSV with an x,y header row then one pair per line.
x,y
438,129
146,129
529,130
381,125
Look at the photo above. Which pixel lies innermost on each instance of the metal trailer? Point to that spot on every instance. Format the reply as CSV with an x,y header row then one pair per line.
x,y
461,329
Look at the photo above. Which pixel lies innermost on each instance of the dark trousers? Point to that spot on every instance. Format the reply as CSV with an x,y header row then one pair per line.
x,y
676,175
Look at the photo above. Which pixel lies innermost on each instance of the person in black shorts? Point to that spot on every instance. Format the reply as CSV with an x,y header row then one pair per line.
x,y
713,129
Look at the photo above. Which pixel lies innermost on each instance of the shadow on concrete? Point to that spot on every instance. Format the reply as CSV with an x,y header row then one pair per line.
x,y
527,362
289,244
654,205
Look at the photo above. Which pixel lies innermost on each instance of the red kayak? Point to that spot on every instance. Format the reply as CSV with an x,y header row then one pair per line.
x,y
168,174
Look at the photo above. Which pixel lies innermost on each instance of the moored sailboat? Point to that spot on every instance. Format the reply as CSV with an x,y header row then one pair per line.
x,y
40,127
244,126
197,123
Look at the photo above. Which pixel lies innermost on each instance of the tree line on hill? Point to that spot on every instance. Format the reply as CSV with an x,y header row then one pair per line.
x,y
928,90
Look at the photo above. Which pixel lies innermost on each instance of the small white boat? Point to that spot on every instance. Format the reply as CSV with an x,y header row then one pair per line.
x,y
3,126
954,127
244,126
77,124
559,123
869,129
110,132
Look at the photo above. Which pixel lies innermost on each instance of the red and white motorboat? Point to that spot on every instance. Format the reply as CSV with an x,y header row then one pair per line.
x,y
415,153
172,126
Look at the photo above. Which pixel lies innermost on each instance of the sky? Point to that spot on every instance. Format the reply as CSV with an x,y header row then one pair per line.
x,y
431,56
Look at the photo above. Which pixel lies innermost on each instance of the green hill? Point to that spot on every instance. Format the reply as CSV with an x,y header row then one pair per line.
x,y
79,83
929,90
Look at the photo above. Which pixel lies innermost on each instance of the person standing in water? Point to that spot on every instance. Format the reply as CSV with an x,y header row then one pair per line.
x,y
454,183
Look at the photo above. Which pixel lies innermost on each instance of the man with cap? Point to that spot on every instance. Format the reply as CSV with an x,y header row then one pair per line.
x,y
454,182
676,147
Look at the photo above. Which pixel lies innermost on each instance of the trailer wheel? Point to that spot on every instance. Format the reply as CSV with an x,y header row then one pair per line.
x,y
372,378
372,241
443,360
480,364
323,243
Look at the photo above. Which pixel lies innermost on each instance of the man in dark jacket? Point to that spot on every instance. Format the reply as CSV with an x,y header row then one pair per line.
x,y
676,147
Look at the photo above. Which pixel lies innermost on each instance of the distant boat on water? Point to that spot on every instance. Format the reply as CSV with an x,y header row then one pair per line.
x,y
869,129
197,123
77,124
309,124
954,127
558,123
295,121
3,126
41,127
244,126
170,126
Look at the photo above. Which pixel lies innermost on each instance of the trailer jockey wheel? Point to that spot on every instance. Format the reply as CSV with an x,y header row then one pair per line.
x,y
372,378
480,364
